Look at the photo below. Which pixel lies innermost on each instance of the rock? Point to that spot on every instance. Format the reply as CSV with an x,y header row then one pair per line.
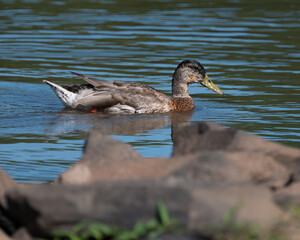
x,y
4,236
210,168
259,160
100,152
250,204
22,234
289,197
213,170
6,223
6,184
211,145
107,159
232,167
210,137
169,236
202,137
43,209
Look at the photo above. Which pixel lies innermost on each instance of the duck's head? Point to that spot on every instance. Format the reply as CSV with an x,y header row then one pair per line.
x,y
191,71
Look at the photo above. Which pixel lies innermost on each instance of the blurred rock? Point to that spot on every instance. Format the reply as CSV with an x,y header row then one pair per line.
x,y
124,203
6,184
100,152
200,150
211,137
22,234
45,208
4,236
6,223
169,236
213,146
232,167
213,170
289,197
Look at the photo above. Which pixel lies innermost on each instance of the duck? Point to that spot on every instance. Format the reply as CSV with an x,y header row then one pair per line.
x,y
133,97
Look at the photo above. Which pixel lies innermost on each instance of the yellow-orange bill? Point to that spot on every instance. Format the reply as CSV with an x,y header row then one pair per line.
x,y
209,84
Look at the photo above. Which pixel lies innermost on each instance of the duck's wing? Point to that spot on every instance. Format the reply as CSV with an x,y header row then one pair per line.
x,y
93,81
83,96
141,97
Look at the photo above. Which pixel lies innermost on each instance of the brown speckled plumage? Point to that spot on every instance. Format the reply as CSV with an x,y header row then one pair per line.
x,y
132,97
182,104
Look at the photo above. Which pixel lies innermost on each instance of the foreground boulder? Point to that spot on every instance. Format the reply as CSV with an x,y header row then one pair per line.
x,y
212,137
105,158
212,171
124,203
289,197
232,154
6,222
205,152
6,184
3,235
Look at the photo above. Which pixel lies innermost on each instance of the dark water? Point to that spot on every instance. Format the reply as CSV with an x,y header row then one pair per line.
x,y
251,50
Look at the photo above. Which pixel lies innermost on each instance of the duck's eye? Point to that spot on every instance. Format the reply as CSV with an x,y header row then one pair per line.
x,y
209,80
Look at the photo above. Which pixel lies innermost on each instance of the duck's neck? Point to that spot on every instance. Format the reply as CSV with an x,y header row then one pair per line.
x,y
179,88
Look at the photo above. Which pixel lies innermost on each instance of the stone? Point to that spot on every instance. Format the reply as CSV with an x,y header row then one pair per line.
x,y
107,159
6,183
250,203
213,170
169,236
22,234
289,197
207,136
202,137
45,208
100,152
259,160
4,236
6,223
226,167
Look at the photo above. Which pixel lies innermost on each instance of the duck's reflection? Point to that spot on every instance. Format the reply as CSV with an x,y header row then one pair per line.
x,y
70,121
178,121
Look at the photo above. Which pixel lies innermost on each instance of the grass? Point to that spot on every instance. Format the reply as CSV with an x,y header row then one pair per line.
x,y
97,231
229,229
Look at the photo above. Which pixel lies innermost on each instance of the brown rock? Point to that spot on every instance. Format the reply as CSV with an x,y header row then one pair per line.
x,y
288,197
22,234
100,152
212,170
44,208
243,155
6,184
250,203
202,148
4,236
231,167
202,137
107,159
208,167
186,236
210,137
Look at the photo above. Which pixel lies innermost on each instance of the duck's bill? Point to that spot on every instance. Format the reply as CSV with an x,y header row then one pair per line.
x,y
209,84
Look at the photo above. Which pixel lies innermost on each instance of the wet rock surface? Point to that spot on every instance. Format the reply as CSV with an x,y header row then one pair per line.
x,y
212,170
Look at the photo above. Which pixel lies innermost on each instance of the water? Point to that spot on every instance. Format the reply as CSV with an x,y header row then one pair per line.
x,y
250,49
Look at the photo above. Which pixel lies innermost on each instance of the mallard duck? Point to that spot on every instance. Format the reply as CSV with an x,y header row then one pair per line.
x,y
132,97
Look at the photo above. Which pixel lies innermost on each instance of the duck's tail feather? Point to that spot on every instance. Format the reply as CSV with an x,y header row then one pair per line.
x,y
66,97
93,81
